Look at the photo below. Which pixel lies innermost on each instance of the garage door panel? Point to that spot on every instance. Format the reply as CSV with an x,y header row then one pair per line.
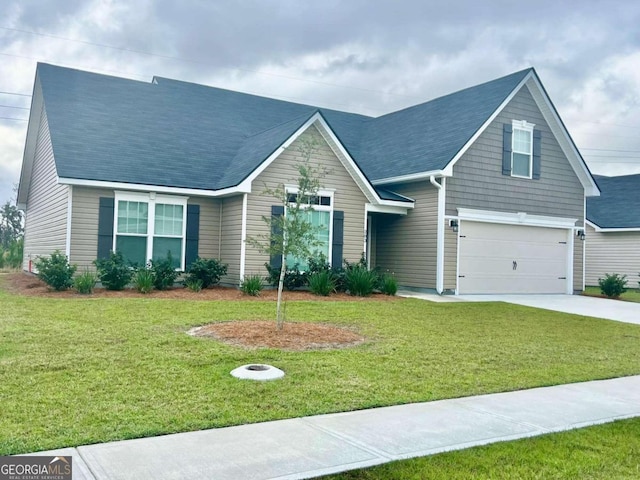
x,y
488,252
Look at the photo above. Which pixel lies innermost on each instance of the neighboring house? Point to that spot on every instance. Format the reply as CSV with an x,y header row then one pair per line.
x,y
479,191
613,230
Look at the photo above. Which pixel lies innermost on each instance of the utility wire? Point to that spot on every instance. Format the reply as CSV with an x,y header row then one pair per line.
x,y
11,106
610,150
18,94
200,62
16,119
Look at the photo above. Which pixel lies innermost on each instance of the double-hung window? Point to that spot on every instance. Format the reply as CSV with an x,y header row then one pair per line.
x,y
150,226
320,215
522,149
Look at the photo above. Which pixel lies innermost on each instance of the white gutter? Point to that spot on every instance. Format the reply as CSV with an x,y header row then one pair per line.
x,y
439,234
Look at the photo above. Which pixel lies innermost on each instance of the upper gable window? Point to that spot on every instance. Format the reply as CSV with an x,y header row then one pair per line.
x,y
522,149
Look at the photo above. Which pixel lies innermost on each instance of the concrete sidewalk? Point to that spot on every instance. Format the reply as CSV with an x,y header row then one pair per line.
x,y
312,446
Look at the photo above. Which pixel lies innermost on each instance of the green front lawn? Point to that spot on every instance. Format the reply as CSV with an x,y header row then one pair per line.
x,y
600,452
631,295
84,370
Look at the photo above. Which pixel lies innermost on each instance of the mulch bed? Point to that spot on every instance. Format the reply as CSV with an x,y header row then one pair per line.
x,y
294,336
28,284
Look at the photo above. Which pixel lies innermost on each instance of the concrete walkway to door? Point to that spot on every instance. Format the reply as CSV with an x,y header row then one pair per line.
x,y
628,312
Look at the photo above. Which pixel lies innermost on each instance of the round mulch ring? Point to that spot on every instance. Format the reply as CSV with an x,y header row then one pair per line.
x,y
293,336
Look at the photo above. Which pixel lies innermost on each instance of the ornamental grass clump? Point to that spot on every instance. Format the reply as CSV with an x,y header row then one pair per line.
x,y
322,283
252,285
360,281
388,284
143,280
85,282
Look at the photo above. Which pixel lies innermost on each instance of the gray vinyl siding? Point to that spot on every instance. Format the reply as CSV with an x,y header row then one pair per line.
x,y
47,202
209,235
407,245
478,181
578,258
84,225
231,239
450,258
612,252
347,197
373,241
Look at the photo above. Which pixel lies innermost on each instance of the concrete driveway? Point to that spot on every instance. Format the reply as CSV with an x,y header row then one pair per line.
x,y
628,312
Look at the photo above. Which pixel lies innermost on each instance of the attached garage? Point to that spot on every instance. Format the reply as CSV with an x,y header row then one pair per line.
x,y
514,258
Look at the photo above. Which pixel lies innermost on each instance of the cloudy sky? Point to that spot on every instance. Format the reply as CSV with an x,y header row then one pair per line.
x,y
363,56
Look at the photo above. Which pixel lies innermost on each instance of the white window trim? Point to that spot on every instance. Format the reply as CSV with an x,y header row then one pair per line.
x,y
151,199
324,192
527,127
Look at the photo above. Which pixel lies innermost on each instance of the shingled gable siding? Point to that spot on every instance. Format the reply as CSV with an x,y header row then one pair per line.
x,y
612,252
231,240
84,225
478,181
347,198
46,212
407,245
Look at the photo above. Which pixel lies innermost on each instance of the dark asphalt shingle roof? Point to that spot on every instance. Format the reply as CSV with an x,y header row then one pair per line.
x,y
179,134
618,205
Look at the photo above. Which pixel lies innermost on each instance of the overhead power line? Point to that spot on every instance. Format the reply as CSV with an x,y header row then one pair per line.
x,y
610,150
12,106
18,94
200,62
16,119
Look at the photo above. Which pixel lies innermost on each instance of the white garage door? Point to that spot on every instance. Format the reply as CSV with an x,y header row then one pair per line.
x,y
496,258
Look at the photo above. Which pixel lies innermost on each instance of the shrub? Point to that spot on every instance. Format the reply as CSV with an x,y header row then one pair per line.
x,y
318,263
293,277
85,282
55,271
388,284
143,280
360,281
322,283
113,272
195,285
208,270
252,285
613,285
163,272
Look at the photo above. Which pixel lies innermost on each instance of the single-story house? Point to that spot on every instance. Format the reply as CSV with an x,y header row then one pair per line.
x,y
613,230
479,191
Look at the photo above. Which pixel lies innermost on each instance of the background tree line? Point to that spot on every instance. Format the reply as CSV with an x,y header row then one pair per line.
x,y
11,235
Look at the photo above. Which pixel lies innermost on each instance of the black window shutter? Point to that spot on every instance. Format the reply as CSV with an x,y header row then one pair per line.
x,y
276,211
537,146
105,226
506,149
338,239
193,234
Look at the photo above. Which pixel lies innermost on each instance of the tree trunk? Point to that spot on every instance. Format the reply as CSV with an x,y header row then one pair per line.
x,y
283,270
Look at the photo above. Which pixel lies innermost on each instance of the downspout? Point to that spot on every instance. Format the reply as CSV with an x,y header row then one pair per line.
x,y
439,235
